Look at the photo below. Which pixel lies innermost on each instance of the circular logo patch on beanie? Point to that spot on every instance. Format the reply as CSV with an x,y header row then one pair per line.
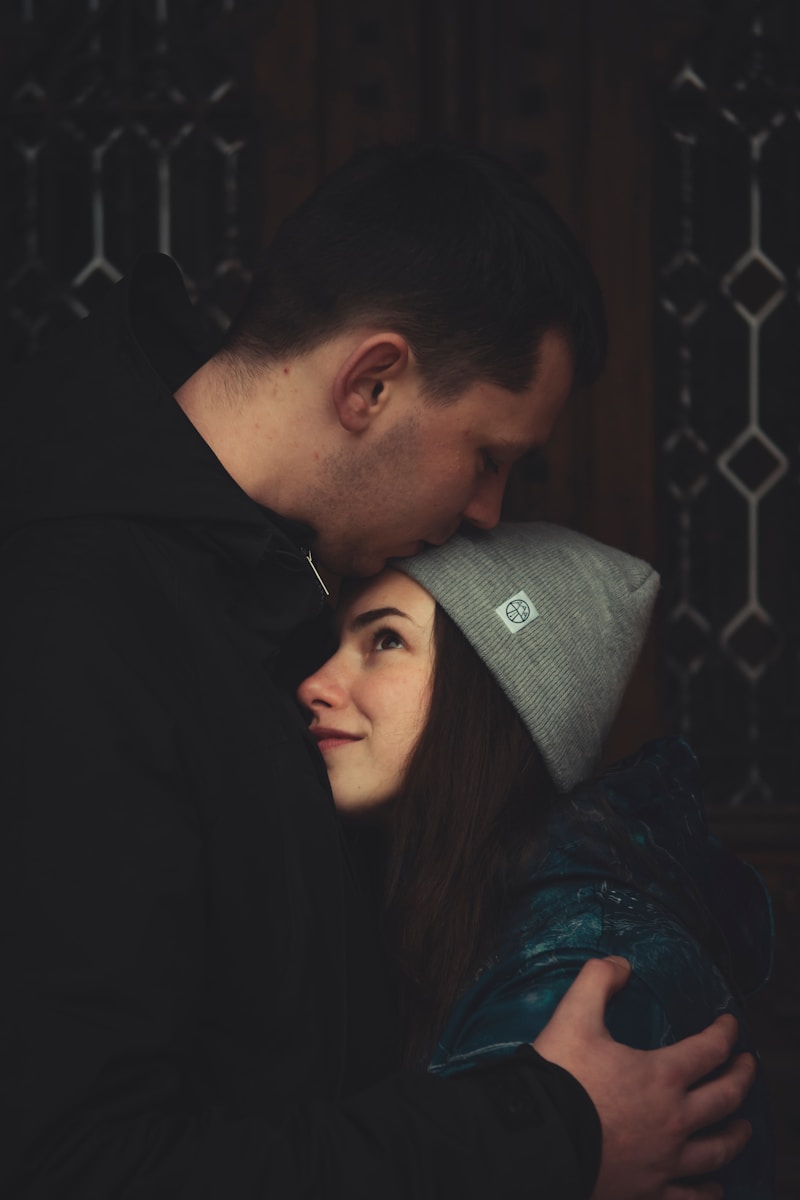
x,y
517,612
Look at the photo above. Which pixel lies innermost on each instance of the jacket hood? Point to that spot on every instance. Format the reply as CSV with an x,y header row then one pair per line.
x,y
643,824
92,429
92,426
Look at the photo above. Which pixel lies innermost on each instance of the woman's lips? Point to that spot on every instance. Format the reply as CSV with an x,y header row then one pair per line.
x,y
330,739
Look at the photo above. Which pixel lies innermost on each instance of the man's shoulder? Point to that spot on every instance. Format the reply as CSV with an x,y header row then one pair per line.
x,y
89,576
82,551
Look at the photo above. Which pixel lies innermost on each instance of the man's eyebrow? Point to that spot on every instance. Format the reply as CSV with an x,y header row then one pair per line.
x,y
376,614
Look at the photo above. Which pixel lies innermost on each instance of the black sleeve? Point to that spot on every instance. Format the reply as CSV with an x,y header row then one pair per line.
x,y
102,928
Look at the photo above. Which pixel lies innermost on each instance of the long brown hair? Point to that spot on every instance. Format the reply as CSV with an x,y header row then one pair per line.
x,y
473,797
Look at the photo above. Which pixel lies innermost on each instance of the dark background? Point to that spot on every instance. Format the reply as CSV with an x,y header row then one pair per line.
x,y
667,132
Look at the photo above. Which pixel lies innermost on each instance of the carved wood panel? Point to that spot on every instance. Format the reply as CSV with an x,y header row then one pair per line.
x,y
124,131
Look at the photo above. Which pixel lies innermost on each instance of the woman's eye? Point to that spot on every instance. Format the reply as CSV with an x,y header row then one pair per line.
x,y
387,639
489,463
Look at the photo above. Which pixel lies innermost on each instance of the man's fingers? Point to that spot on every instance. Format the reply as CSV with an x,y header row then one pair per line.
x,y
717,1099
711,1151
699,1055
581,1010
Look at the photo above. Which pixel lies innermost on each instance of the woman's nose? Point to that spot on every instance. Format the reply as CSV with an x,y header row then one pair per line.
x,y
323,689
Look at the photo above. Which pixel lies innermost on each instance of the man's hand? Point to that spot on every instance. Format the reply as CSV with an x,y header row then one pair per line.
x,y
647,1110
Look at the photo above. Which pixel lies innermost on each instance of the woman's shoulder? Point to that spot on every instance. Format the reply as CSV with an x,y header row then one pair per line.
x,y
655,791
638,838
626,866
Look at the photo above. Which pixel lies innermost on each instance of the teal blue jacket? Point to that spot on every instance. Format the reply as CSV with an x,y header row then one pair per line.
x,y
627,866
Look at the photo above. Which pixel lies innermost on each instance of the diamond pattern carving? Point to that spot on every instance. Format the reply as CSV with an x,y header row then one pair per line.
x,y
125,133
756,285
687,636
754,103
754,641
688,463
685,104
727,425
685,287
757,464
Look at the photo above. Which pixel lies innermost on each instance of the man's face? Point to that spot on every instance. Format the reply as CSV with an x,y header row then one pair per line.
x,y
438,465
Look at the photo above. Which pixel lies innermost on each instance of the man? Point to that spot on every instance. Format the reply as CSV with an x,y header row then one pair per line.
x,y
193,999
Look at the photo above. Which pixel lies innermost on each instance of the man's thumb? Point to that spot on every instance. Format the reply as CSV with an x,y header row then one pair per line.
x,y
582,1008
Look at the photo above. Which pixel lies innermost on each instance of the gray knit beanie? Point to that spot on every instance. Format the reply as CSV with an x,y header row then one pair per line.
x,y
558,618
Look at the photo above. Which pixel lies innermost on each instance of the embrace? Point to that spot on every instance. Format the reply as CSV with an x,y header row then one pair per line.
x,y
262,949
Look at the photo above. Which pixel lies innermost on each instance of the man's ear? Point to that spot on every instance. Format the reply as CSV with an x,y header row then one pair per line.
x,y
364,382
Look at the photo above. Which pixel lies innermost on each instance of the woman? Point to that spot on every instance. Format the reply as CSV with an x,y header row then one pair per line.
x,y
464,713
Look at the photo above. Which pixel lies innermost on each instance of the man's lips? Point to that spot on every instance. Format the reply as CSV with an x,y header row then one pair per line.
x,y
328,739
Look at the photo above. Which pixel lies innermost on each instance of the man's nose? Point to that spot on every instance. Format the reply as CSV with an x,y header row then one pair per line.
x,y
484,508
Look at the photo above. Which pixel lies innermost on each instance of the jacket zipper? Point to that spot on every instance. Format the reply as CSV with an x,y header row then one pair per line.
x,y
310,562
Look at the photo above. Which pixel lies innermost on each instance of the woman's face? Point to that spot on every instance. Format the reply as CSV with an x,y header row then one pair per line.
x,y
369,702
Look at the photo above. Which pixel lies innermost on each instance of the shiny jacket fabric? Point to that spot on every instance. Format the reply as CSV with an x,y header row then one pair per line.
x,y
192,1005
627,866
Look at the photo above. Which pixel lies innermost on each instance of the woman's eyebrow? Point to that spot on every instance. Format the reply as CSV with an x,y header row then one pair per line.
x,y
375,614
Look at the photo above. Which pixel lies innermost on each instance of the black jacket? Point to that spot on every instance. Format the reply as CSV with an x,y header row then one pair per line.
x,y
192,1004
